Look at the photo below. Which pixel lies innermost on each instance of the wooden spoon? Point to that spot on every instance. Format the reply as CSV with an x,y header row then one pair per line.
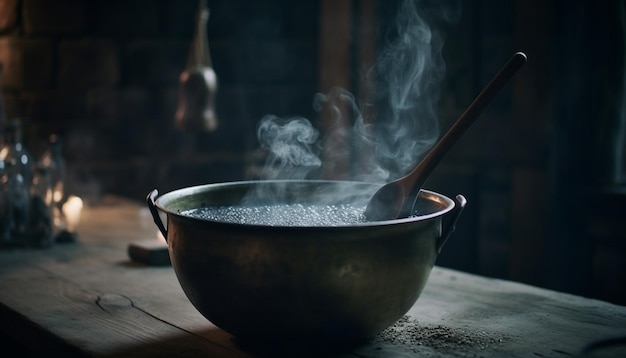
x,y
397,198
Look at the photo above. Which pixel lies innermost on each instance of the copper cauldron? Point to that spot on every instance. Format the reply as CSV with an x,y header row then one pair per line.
x,y
346,282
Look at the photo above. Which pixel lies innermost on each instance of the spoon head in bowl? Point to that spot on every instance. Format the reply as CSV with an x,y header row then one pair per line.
x,y
386,204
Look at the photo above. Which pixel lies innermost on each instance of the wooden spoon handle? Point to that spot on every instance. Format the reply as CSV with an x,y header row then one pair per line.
x,y
417,177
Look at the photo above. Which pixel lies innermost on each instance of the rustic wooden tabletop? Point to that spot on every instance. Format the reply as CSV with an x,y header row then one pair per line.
x,y
88,298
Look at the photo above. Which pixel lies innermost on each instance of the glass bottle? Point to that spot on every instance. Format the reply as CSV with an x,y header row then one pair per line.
x,y
18,193
6,212
40,227
19,177
52,159
13,148
6,217
3,113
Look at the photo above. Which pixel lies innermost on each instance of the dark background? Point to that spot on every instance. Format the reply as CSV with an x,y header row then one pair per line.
x,y
545,197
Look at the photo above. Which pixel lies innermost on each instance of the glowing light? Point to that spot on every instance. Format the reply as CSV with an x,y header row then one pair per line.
x,y
72,210
58,193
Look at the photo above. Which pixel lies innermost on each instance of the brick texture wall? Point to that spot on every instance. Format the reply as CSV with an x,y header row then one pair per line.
x,y
104,75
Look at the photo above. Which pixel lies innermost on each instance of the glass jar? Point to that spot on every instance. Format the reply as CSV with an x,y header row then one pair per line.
x,y
19,177
13,149
53,160
6,211
40,227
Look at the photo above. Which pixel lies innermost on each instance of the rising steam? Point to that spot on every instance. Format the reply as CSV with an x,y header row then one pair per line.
x,y
290,143
407,77
394,130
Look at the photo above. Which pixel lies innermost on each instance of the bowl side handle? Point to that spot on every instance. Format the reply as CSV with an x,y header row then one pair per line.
x,y
460,202
155,212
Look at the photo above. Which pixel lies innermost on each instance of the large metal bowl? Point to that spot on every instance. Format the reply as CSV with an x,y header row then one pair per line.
x,y
271,282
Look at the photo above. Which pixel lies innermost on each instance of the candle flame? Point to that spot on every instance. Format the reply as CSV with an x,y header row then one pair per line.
x,y
72,210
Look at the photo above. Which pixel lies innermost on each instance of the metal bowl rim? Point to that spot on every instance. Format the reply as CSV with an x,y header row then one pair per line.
x,y
161,200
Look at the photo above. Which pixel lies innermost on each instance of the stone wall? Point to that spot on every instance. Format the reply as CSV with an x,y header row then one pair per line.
x,y
104,76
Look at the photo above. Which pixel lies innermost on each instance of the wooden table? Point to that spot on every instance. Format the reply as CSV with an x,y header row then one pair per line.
x,y
89,298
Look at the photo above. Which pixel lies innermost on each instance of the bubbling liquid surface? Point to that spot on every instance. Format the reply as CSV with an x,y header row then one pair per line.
x,y
282,215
